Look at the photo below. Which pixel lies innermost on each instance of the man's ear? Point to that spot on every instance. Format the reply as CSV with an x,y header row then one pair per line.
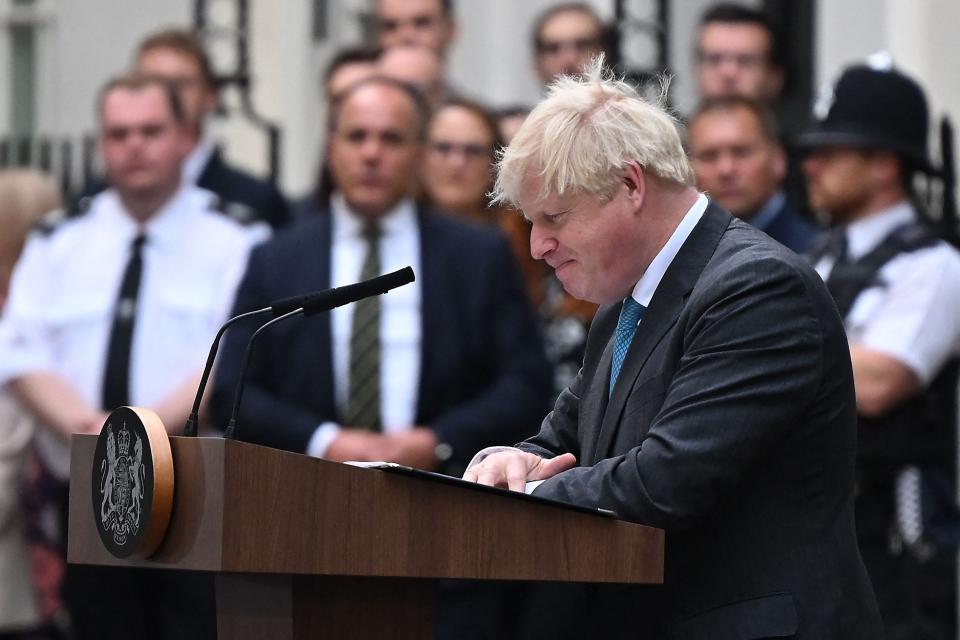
x,y
634,178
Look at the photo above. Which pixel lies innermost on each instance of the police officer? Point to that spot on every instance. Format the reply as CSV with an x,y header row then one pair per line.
x,y
897,287
117,306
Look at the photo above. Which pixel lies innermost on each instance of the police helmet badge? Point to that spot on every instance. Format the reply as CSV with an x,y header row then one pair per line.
x,y
132,483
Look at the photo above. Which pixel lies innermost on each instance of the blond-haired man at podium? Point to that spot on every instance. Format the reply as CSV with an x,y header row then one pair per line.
x,y
716,395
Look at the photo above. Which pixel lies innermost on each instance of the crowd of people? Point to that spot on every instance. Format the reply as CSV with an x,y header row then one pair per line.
x,y
113,301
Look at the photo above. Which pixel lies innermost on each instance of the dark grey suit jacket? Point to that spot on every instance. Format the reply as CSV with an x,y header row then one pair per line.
x,y
732,426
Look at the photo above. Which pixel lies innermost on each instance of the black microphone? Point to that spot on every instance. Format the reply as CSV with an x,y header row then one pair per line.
x,y
311,303
190,427
308,305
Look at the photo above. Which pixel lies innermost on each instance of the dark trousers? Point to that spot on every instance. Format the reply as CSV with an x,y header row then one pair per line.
x,y
917,600
108,602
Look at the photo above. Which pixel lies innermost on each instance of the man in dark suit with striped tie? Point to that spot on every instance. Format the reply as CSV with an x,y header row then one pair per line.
x,y
423,375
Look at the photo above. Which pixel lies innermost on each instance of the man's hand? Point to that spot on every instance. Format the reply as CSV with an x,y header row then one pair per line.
x,y
357,444
513,469
414,448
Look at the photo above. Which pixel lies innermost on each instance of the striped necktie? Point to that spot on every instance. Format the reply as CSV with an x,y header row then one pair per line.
x,y
630,316
363,399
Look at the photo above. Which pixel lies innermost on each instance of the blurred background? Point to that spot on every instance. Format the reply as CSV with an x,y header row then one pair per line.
x,y
270,57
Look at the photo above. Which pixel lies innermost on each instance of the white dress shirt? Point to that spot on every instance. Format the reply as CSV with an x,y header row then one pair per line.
x,y
913,313
400,320
642,292
64,288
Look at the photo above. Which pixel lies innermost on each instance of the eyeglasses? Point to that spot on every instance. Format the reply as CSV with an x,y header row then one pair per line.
x,y
469,151
554,47
716,59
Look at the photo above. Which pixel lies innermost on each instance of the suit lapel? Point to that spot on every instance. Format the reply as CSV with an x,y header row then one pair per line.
x,y
319,338
594,399
661,315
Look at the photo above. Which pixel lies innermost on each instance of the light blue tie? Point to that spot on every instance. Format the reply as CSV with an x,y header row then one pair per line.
x,y
630,316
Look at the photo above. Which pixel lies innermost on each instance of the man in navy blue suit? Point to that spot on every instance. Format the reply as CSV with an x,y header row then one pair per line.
x,y
460,362
739,162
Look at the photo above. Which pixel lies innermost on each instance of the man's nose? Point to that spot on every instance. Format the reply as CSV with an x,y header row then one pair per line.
x,y
541,243
371,149
726,165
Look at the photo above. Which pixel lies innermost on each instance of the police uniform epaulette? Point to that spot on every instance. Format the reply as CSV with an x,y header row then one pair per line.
x,y
50,221
239,212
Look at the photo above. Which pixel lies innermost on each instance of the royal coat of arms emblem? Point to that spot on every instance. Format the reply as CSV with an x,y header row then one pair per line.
x,y
132,482
121,483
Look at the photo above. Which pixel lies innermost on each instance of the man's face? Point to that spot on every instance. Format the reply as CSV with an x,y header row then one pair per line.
x,y
734,60
567,41
840,181
418,22
198,98
594,247
734,162
142,144
374,151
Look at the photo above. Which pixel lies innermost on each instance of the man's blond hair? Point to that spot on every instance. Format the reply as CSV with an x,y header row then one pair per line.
x,y
582,135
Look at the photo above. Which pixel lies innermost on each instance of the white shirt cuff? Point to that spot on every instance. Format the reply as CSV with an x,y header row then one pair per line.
x,y
322,438
483,454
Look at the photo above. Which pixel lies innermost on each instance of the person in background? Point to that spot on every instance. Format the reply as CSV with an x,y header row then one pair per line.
x,y
737,54
565,37
462,139
418,66
740,164
347,67
25,195
179,56
424,23
454,369
117,306
509,120
897,287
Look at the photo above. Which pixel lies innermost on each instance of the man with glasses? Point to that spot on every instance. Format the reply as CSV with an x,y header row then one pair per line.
x,y
565,38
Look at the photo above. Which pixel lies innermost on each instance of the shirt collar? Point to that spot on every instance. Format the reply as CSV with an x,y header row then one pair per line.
x,y
648,284
197,161
167,226
346,223
865,234
768,211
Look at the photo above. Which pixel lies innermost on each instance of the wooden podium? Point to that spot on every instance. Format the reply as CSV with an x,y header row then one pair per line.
x,y
304,547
